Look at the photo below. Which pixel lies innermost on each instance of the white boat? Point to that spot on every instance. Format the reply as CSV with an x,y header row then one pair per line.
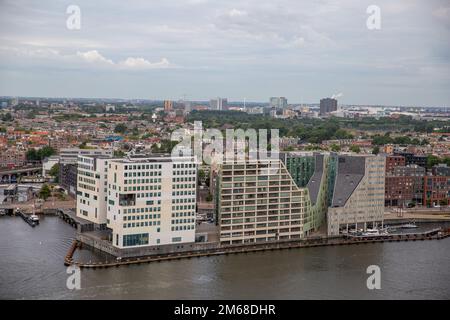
x,y
2,212
408,226
374,232
34,218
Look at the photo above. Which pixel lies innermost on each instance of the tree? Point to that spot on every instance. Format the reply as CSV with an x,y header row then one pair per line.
x,y
355,149
120,128
209,197
119,153
376,150
45,192
7,117
201,175
335,148
38,155
54,172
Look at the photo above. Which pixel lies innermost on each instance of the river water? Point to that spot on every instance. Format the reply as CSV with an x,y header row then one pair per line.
x,y
31,267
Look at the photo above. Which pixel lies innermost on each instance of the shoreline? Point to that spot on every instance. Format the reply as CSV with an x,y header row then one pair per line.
x,y
435,234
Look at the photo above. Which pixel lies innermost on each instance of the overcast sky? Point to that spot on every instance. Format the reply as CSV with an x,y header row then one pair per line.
x,y
303,50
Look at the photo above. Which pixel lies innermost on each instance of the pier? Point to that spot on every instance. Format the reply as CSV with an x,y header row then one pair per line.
x,y
71,218
435,234
27,218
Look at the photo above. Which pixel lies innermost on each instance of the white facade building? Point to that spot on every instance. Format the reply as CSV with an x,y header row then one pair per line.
x,y
145,201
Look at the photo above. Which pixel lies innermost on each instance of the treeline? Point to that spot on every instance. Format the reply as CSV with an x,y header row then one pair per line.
x,y
308,130
379,140
434,160
40,154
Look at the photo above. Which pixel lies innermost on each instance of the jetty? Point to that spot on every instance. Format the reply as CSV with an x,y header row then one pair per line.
x,y
434,234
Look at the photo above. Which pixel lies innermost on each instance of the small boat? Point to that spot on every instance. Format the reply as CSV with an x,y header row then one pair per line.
x,y
374,232
411,225
2,212
34,218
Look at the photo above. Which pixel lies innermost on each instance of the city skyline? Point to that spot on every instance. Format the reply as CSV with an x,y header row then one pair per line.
x,y
229,49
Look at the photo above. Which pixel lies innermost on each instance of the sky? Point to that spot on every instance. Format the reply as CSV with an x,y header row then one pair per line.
x,y
238,49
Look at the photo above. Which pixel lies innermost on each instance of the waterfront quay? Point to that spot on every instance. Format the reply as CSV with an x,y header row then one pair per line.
x,y
214,249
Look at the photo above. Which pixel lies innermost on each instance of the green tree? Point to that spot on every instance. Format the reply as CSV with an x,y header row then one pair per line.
x,y
7,117
355,149
120,128
119,153
45,192
335,148
376,150
38,155
54,172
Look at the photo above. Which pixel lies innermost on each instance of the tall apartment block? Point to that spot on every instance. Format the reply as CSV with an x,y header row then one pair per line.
x,y
358,197
168,105
142,200
218,104
278,102
327,105
404,185
310,192
259,202
68,161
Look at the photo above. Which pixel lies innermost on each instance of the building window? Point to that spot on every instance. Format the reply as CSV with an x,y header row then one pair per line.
x,y
135,239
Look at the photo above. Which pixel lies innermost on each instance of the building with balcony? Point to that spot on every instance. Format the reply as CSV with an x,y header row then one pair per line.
x,y
259,201
142,200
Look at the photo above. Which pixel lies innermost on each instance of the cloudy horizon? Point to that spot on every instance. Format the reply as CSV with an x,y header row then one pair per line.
x,y
200,49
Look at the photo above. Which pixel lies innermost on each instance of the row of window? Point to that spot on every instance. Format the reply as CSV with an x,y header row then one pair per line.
x,y
142,188
185,207
140,224
181,228
143,217
142,174
142,181
183,165
179,221
143,166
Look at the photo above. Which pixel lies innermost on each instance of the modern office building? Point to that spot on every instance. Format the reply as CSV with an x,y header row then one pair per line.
x,y
68,162
330,192
436,190
411,158
278,102
393,161
168,105
259,201
327,105
404,185
315,172
70,155
142,200
441,169
358,196
218,104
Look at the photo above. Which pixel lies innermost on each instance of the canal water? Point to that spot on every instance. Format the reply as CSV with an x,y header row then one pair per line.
x,y
31,267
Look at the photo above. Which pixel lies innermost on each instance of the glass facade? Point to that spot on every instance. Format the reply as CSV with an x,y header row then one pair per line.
x,y
130,240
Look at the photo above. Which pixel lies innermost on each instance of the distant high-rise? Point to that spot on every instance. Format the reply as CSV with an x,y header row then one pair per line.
x,y
278,102
327,105
168,105
218,103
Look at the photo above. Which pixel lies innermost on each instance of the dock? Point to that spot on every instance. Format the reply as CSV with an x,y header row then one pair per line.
x,y
71,218
434,234
27,218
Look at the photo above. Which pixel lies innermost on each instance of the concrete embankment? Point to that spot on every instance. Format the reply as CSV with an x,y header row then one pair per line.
x,y
435,234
